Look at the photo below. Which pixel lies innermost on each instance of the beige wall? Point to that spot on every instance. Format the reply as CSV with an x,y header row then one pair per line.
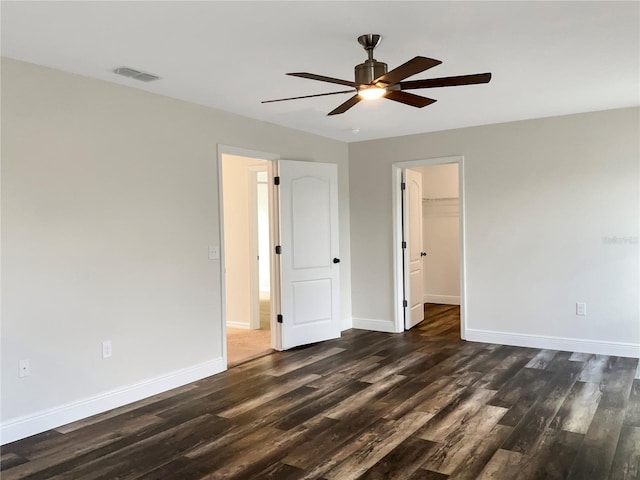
x,y
439,181
542,197
109,202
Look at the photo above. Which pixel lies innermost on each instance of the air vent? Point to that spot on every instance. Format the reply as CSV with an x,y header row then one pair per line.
x,y
126,72
135,74
146,77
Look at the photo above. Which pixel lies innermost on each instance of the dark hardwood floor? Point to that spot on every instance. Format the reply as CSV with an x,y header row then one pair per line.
x,y
369,406
441,321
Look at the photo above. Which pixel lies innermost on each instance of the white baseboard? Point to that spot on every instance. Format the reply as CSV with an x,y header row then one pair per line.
x,y
347,323
245,326
617,349
22,427
376,325
442,299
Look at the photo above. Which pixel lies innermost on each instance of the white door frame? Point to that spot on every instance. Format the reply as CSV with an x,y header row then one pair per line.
x,y
396,176
254,321
276,341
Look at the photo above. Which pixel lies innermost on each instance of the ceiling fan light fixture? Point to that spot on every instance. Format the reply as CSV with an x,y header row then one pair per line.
x,y
373,80
371,93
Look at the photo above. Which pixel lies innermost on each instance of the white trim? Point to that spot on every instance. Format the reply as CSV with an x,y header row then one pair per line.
x,y
244,326
442,299
396,175
347,323
44,420
376,325
274,265
555,343
398,275
254,290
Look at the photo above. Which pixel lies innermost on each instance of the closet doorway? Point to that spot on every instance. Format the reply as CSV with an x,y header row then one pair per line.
x,y
429,246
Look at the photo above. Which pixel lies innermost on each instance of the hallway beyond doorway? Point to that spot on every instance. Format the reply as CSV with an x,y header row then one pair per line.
x,y
244,345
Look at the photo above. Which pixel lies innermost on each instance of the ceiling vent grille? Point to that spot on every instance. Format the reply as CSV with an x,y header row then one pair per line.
x,y
135,74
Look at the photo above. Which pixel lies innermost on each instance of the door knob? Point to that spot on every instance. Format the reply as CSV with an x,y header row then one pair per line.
x,y
423,254
336,260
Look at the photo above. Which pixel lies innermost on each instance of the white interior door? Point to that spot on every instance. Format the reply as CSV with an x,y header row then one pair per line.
x,y
413,254
309,259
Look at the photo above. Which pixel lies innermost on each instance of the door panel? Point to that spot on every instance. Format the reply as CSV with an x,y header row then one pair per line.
x,y
309,239
414,313
310,301
311,228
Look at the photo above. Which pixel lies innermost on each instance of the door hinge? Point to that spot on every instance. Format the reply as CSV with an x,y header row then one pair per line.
x,y
278,249
405,303
404,244
403,186
279,318
276,180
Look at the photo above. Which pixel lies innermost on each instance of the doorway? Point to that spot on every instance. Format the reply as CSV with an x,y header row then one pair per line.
x,y
429,245
302,295
247,275
441,245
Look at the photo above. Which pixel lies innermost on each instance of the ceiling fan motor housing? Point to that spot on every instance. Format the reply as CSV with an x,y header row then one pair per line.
x,y
368,71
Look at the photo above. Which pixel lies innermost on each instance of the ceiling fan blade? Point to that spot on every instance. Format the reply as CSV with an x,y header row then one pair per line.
x,y
306,96
446,81
322,78
412,67
346,105
408,98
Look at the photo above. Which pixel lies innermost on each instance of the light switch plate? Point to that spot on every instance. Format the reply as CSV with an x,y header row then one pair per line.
x,y
25,368
107,351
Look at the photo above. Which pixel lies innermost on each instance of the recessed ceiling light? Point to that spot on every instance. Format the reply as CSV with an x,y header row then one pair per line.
x,y
135,74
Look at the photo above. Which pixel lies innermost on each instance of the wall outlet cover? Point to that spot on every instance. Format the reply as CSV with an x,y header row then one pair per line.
x,y
106,349
581,309
24,368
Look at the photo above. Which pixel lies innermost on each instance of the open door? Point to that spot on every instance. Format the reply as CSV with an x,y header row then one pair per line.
x,y
309,258
413,254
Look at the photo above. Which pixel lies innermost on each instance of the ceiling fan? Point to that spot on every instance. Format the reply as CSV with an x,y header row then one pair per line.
x,y
373,81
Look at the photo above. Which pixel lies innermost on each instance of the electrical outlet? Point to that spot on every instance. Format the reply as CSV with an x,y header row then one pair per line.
x,y
106,349
214,252
25,368
581,309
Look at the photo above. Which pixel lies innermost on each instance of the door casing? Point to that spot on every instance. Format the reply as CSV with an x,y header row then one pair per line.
x,y
398,267
254,321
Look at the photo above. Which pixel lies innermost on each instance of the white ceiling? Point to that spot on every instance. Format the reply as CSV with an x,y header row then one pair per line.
x,y
547,58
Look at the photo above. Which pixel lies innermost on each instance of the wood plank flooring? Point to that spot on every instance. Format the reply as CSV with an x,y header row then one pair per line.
x,y
441,321
369,406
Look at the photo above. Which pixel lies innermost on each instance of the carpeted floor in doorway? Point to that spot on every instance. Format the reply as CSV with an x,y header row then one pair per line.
x,y
244,345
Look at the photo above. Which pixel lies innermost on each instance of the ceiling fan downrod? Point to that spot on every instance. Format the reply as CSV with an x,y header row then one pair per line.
x,y
370,69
